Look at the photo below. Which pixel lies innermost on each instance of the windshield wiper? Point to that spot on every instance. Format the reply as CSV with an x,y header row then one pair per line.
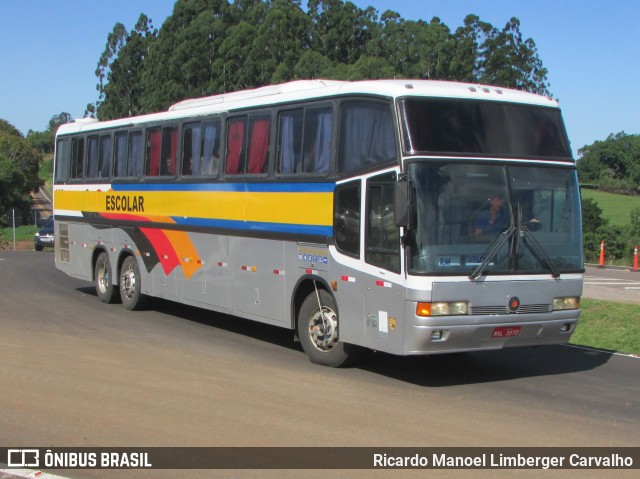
x,y
536,248
492,251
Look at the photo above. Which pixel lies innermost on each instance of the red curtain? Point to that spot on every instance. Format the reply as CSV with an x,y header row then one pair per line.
x,y
259,146
154,143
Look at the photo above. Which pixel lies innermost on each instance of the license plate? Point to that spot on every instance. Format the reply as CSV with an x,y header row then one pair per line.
x,y
46,239
506,332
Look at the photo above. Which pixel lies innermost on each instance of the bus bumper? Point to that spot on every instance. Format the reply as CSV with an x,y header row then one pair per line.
x,y
450,334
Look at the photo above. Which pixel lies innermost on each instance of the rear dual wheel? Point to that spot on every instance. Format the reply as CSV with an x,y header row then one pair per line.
x,y
131,285
103,280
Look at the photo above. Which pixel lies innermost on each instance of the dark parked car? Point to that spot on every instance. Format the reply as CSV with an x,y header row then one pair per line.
x,y
44,237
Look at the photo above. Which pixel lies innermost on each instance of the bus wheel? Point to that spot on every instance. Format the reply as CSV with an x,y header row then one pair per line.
x,y
131,284
107,292
318,331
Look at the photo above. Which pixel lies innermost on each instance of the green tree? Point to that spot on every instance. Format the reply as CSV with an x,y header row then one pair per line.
x,y
19,165
14,190
592,218
505,59
122,64
213,46
8,129
43,141
612,164
280,41
185,61
341,30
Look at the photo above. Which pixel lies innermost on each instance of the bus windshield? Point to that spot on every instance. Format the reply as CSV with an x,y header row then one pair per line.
x,y
478,219
483,128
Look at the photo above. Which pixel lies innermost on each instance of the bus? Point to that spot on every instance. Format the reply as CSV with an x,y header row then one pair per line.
x,y
411,217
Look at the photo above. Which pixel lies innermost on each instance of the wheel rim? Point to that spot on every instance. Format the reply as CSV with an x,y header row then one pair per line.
x,y
323,329
128,282
104,278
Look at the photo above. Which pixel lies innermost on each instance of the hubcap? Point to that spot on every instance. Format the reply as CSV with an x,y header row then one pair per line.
x,y
104,279
323,329
128,283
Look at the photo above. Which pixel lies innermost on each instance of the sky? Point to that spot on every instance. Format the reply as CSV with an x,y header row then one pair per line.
x,y
49,51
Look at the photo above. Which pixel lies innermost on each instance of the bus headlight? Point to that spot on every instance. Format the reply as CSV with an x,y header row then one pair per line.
x,y
455,308
561,304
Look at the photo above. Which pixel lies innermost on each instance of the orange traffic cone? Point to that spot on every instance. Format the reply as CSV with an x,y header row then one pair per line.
x,y
635,259
601,264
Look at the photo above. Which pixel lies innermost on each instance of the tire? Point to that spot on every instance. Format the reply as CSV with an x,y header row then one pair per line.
x,y
103,280
131,285
39,248
318,332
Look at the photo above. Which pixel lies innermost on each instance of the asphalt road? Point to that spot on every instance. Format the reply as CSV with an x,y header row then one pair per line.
x,y
612,284
76,372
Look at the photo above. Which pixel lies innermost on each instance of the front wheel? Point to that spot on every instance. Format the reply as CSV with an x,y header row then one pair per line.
x,y
131,285
318,331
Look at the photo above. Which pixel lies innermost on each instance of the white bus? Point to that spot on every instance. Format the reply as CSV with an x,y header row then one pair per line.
x,y
404,216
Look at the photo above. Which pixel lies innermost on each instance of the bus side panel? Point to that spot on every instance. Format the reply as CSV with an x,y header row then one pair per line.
x,y
79,251
255,283
209,284
350,299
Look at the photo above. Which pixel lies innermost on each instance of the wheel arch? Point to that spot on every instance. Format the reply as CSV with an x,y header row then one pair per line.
x,y
94,259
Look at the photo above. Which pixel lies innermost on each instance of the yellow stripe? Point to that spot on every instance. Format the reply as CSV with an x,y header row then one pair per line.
x,y
286,208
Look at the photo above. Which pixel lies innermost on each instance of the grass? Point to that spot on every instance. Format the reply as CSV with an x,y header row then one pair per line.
x,y
23,233
608,325
616,208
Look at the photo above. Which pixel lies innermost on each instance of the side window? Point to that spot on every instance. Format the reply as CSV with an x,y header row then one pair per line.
x,y
92,157
304,141
63,160
258,154
382,236
104,157
346,222
134,154
153,151
367,136
236,128
120,168
248,145
201,148
169,151
290,142
77,158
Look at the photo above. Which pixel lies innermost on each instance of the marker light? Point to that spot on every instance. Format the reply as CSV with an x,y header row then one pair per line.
x,y
560,304
455,308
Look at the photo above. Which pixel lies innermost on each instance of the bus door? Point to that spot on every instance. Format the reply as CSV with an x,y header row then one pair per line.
x,y
383,284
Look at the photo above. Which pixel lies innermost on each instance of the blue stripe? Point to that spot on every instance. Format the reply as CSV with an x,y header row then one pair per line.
x,y
316,230
229,187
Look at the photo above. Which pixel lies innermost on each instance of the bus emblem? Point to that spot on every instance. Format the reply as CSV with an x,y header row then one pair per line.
x,y
514,304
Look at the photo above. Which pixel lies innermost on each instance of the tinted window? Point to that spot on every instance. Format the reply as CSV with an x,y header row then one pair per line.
x,y
92,157
483,128
346,225
134,154
367,136
236,128
304,141
383,236
63,160
104,157
248,145
77,158
120,169
201,148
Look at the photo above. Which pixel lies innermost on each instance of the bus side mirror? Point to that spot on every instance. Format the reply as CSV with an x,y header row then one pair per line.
x,y
404,204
